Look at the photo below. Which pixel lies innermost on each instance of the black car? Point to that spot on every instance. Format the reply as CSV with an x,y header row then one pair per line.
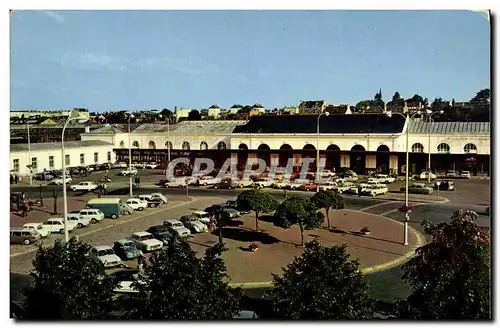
x,y
160,232
224,184
445,185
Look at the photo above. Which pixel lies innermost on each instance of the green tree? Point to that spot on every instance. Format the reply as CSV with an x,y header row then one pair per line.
x,y
396,97
321,284
194,115
257,201
415,99
450,276
204,113
377,99
177,285
69,285
363,104
298,210
482,98
328,199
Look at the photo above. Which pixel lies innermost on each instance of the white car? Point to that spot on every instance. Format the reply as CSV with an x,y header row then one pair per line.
x,y
43,231
152,166
328,173
329,185
343,187
106,255
208,180
193,224
57,225
465,174
281,184
203,216
121,165
79,220
298,183
374,190
179,182
60,181
91,214
160,197
137,204
129,171
242,183
424,176
145,241
263,182
126,279
84,185
177,227
384,178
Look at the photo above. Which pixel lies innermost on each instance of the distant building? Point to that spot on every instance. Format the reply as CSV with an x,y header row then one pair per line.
x,y
291,110
54,114
181,113
338,109
214,111
312,107
257,109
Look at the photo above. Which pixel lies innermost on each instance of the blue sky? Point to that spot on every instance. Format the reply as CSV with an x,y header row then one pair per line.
x,y
160,59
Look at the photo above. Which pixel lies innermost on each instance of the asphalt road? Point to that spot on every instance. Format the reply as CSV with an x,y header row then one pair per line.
x,y
386,285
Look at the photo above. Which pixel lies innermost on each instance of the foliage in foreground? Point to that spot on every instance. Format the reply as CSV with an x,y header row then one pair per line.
x,y
257,201
321,284
451,276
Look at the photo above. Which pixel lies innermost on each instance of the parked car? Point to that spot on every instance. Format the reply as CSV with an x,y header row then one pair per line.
x,y
193,224
24,236
84,186
246,315
242,183
418,188
384,178
328,185
177,227
465,174
224,184
106,255
43,231
446,185
60,181
263,182
156,195
129,171
146,242
126,278
79,220
151,202
179,182
126,249
121,165
126,210
161,233
151,166
451,173
425,176
298,183
137,204
208,180
203,216
343,187
284,184
93,214
57,225
109,207
374,190
309,187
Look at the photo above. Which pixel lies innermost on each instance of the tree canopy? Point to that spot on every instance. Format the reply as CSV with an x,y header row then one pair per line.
x,y
257,201
450,276
298,210
482,98
194,115
69,285
328,199
323,283
177,285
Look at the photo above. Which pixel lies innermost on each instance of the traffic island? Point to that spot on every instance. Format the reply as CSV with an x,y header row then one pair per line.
x,y
381,249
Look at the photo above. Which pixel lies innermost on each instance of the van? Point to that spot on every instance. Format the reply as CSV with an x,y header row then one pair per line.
x,y
24,236
111,207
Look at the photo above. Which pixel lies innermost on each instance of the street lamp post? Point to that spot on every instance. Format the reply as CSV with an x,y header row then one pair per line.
x,y
430,113
130,156
29,154
73,115
167,120
317,150
407,175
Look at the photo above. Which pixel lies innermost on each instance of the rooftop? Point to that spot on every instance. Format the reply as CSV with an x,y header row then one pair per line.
x,y
419,126
57,145
108,129
192,127
334,123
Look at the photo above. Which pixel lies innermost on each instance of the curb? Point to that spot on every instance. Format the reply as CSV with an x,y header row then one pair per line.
x,y
365,271
35,247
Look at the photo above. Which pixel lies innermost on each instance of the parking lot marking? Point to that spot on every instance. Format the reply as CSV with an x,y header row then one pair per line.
x,y
377,205
111,226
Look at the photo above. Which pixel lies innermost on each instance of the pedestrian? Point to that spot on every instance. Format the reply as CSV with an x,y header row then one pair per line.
x,y
138,181
24,209
359,191
11,179
16,179
141,261
30,205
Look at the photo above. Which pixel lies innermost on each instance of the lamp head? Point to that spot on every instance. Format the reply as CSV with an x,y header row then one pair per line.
x,y
388,114
327,113
441,111
418,112
428,111
74,114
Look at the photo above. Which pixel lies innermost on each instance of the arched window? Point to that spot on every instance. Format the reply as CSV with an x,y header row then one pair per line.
x,y
168,145
185,146
308,147
243,147
470,148
333,147
357,148
263,147
135,144
221,145
417,148
152,145
203,145
443,148
122,144
383,148
286,147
